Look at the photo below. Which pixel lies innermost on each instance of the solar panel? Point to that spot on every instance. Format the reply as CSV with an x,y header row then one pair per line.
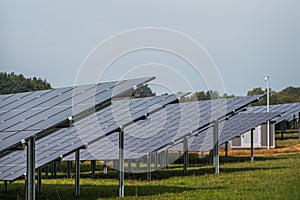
x,y
232,128
35,113
67,140
163,128
287,110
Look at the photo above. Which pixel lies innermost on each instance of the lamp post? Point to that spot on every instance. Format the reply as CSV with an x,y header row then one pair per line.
x,y
267,79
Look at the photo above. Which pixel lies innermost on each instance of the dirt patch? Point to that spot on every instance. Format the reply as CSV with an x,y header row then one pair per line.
x,y
292,149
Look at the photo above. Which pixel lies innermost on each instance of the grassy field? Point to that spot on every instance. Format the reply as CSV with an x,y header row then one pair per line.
x,y
275,175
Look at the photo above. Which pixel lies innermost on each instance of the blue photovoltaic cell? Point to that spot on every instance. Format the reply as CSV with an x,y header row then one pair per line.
x,y
35,113
287,110
163,128
67,140
228,130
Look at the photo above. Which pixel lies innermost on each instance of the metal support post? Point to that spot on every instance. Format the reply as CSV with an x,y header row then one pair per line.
x,y
121,162
69,169
93,168
282,128
185,155
252,148
162,159
299,125
115,164
156,160
77,173
167,157
216,147
26,185
211,158
268,134
39,188
58,166
105,167
46,172
129,165
148,167
5,186
267,78
226,151
53,170
137,165
30,181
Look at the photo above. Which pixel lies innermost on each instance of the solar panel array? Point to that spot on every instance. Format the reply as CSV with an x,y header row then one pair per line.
x,y
29,114
85,131
287,110
67,119
163,128
233,127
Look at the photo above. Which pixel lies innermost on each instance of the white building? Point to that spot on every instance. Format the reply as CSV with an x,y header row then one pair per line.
x,y
259,138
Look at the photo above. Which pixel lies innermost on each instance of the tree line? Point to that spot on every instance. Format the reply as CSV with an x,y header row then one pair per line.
x,y
15,83
288,95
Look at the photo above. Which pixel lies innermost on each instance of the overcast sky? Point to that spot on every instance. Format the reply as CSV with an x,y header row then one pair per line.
x,y
247,39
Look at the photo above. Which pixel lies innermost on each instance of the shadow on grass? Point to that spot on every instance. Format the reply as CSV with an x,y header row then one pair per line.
x,y
177,169
66,191
203,171
93,192
235,159
194,159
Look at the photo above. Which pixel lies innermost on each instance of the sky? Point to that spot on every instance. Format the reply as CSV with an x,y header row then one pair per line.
x,y
246,40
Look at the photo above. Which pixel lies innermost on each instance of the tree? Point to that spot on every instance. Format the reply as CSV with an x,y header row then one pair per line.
x,y
225,95
201,95
143,91
13,83
287,95
255,91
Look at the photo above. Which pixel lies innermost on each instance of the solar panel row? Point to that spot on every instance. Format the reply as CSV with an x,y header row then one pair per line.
x,y
29,114
85,131
163,128
233,127
25,115
145,145
287,110
48,111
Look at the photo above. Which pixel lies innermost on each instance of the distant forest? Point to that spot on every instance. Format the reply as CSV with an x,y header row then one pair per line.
x,y
15,83
287,95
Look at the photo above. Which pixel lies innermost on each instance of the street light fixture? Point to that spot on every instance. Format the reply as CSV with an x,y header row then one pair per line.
x,y
267,79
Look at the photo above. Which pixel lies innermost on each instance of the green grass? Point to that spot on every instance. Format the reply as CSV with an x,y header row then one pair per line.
x,y
290,138
269,177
